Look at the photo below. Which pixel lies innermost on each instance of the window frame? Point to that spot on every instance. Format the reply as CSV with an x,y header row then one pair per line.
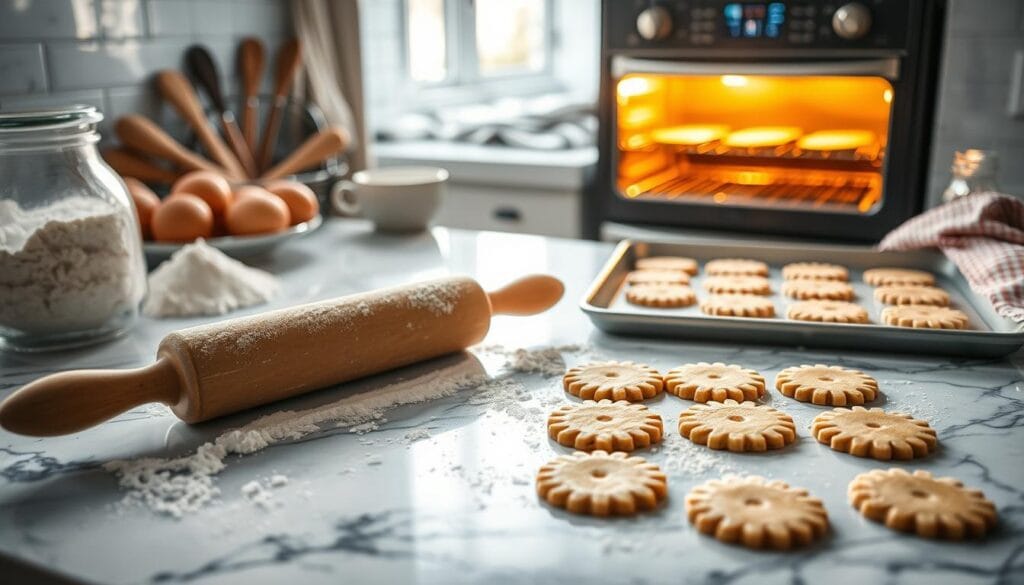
x,y
464,81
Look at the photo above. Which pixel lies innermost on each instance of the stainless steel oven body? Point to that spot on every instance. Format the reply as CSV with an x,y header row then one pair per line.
x,y
805,119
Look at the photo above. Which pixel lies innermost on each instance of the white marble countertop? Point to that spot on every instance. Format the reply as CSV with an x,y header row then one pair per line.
x,y
443,491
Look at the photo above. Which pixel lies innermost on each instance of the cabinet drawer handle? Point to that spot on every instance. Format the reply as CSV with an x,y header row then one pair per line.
x,y
507,214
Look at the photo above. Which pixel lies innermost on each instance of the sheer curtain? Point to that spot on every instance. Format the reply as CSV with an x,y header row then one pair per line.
x,y
329,33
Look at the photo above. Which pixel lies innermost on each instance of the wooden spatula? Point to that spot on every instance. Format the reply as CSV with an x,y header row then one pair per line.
x,y
141,134
212,370
129,164
251,57
312,152
288,60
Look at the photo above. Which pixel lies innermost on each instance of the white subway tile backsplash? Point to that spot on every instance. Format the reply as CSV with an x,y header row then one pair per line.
x,y
169,18
22,69
213,18
986,59
91,97
120,19
111,63
270,17
48,19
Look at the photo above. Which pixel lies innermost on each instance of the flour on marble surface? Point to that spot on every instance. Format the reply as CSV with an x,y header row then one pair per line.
x,y
548,361
199,279
182,485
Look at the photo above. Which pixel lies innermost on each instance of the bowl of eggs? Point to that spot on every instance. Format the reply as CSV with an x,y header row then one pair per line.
x,y
240,220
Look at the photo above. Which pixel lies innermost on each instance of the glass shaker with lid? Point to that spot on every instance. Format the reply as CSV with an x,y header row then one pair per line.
x,y
71,264
974,171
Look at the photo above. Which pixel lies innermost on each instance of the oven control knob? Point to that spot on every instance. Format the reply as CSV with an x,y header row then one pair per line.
x,y
654,23
852,21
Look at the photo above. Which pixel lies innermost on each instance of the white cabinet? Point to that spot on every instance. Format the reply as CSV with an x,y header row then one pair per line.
x,y
508,209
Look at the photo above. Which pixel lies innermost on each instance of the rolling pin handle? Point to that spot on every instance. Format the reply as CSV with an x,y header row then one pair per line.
x,y
526,296
72,401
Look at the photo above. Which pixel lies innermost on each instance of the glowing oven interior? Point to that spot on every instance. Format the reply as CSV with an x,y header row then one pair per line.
x,y
814,142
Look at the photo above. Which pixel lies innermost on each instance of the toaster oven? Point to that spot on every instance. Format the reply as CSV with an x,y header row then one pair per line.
x,y
797,118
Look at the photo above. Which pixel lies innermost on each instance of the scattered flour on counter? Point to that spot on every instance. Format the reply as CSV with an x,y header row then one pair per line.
x,y
201,280
72,265
182,485
417,435
277,480
547,361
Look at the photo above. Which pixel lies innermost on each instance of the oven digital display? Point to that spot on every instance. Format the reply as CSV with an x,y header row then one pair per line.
x,y
753,20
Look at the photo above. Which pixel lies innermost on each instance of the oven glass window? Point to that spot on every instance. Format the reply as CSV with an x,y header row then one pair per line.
x,y
753,140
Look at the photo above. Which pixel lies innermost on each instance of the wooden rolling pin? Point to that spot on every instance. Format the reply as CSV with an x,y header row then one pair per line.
x,y
216,369
311,153
141,134
178,91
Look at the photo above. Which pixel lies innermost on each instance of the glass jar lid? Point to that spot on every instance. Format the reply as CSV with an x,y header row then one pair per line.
x,y
49,127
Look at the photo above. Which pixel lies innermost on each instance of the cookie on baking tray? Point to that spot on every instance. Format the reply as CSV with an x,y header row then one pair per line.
x,y
605,426
911,295
702,382
874,433
734,305
615,380
600,484
898,276
664,296
680,263
735,267
924,317
749,285
737,426
815,271
657,277
931,507
827,385
805,290
756,512
827,312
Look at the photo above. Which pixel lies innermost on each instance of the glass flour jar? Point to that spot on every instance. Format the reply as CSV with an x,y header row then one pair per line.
x,y
71,265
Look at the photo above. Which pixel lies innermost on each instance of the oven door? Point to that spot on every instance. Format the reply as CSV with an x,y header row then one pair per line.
x,y
789,147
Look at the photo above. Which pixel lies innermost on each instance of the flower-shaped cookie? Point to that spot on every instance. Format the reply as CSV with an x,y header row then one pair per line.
x,y
737,426
605,425
614,380
600,484
826,385
702,382
874,433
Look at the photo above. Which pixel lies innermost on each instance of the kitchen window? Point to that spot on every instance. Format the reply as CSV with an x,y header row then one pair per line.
x,y
462,44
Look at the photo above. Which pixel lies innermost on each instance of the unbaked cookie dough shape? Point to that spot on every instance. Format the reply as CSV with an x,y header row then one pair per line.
x,y
738,284
702,382
602,484
874,433
735,267
658,277
613,380
681,263
737,305
605,425
827,312
912,295
924,317
921,504
815,271
756,513
662,296
898,276
826,290
827,385
737,426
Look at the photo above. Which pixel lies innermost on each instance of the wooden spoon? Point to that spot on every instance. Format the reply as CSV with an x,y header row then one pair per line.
x,y
251,58
129,164
141,134
203,68
178,91
288,60
312,152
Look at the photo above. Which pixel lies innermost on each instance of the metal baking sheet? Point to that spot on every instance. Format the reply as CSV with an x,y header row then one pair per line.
x,y
989,334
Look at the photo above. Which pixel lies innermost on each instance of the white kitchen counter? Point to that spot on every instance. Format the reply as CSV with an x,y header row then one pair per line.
x,y
442,492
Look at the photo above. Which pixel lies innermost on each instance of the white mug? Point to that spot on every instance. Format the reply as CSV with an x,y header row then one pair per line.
x,y
395,199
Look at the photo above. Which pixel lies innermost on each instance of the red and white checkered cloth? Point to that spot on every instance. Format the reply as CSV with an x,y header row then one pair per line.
x,y
983,234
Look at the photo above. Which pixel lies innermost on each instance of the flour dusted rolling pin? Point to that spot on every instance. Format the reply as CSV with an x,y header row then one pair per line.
x,y
216,369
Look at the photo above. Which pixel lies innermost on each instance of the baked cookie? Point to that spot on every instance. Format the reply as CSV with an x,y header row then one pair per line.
x,y
924,316
874,433
827,312
826,385
912,295
831,290
737,306
702,382
747,285
665,296
756,513
919,503
615,380
658,277
737,426
687,265
736,267
600,484
605,425
815,271
898,276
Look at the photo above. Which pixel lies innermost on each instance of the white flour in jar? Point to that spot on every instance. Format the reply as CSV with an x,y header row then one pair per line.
x,y
201,280
68,266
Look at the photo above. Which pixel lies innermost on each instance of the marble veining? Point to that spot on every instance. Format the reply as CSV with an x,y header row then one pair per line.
x,y
443,491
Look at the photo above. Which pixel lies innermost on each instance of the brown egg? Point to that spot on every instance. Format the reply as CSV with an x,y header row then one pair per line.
x,y
145,202
300,199
208,186
257,213
182,218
